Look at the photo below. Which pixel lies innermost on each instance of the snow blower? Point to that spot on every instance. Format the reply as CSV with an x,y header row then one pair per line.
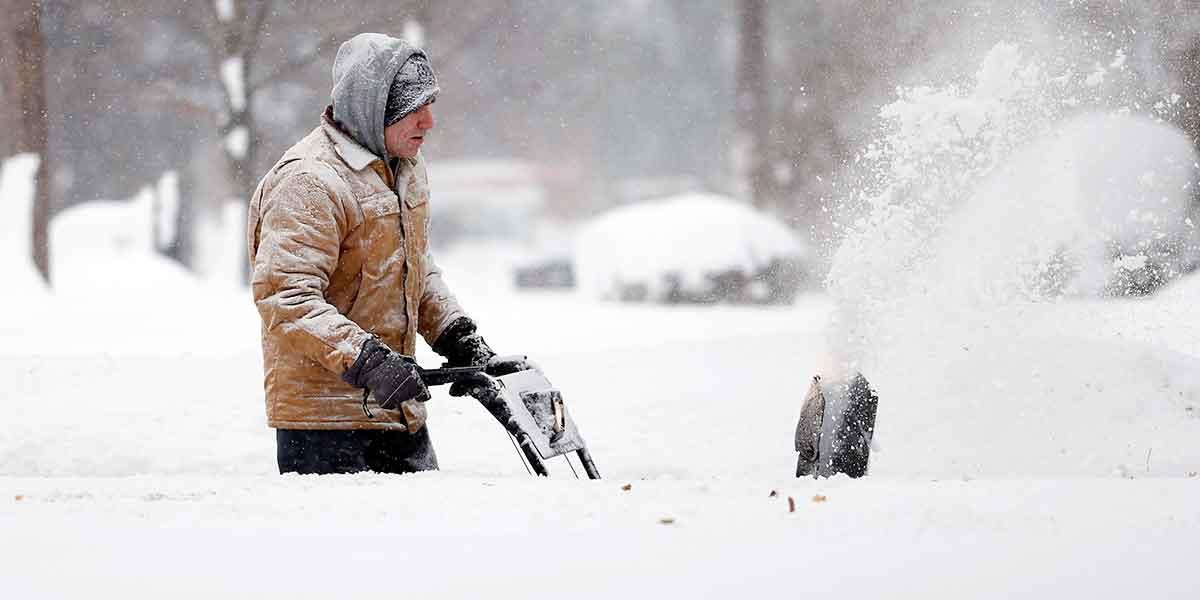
x,y
836,424
530,409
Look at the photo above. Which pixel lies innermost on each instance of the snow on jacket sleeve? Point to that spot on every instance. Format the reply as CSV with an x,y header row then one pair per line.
x,y
439,308
301,232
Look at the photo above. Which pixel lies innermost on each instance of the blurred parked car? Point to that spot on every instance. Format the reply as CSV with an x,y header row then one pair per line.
x,y
1136,182
474,200
491,223
551,273
695,248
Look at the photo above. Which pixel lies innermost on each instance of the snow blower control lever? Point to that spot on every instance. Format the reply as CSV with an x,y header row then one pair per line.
x,y
530,409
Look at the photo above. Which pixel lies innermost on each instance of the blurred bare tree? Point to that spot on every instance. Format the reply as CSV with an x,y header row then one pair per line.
x,y
753,109
23,115
834,65
618,91
235,33
1161,42
1179,25
216,89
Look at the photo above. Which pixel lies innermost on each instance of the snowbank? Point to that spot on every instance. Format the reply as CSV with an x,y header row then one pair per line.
x,y
106,250
681,247
220,247
114,294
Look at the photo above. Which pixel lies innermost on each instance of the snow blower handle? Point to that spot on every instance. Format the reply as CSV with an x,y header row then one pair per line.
x,y
446,375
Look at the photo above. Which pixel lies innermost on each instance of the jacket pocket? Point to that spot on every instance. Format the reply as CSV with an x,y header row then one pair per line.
x,y
416,192
380,204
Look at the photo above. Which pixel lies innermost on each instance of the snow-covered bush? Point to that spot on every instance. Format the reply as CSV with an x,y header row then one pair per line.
x,y
692,248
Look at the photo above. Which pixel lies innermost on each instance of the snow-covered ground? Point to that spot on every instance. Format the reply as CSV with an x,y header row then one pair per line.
x,y
451,535
134,461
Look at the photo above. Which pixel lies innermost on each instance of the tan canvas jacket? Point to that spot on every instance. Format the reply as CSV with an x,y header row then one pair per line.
x,y
339,251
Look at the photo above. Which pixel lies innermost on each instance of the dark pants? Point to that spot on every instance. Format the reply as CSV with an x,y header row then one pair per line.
x,y
320,451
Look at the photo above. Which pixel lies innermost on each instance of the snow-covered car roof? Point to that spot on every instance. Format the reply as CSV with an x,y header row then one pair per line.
x,y
687,238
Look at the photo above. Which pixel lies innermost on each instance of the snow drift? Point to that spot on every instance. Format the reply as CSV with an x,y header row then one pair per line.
x,y
91,239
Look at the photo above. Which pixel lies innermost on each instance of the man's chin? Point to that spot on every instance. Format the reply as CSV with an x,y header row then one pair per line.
x,y
408,152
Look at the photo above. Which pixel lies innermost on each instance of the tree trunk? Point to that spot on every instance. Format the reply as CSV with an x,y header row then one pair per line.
x,y
237,43
752,105
23,113
1189,117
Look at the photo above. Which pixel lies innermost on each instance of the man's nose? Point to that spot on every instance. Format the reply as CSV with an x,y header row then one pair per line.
x,y
426,121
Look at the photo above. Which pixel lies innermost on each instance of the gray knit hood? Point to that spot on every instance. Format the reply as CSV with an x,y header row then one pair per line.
x,y
363,73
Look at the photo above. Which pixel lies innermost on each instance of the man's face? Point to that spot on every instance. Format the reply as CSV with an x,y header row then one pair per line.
x,y
404,137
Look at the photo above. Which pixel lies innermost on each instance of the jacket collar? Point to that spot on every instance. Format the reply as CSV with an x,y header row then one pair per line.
x,y
356,156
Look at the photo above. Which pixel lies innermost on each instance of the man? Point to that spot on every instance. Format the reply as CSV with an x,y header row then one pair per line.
x,y
343,279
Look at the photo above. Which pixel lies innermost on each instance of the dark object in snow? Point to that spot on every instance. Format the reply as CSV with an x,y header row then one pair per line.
x,y
776,283
835,428
1165,260
529,408
556,273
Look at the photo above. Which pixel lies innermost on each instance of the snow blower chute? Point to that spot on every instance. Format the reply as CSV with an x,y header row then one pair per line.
x,y
836,424
530,409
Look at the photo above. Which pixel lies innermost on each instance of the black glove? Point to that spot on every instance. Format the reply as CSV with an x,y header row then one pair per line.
x,y
482,387
462,346
392,377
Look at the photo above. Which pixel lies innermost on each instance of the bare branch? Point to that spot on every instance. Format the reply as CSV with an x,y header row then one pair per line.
x,y
253,34
446,56
187,99
205,24
299,61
